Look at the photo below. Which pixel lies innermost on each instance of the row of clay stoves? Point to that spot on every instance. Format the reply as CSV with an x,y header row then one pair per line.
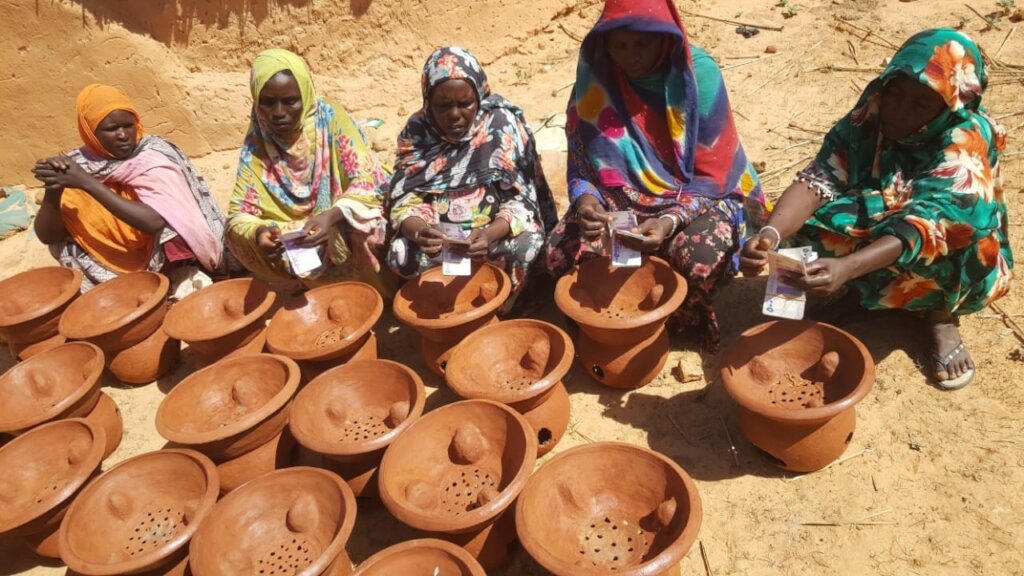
x,y
795,404
796,383
456,472
158,513
130,319
456,475
520,363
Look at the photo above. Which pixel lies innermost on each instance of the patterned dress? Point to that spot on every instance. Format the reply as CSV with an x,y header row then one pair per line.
x,y
938,191
493,172
661,145
330,166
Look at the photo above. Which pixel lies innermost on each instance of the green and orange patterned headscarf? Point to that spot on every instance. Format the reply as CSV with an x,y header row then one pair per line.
x,y
939,191
949,63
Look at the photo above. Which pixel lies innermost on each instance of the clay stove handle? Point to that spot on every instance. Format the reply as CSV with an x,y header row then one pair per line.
x,y
303,515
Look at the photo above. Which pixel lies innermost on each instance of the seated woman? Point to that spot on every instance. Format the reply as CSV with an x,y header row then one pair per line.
x,y
650,132
126,202
306,170
468,159
904,202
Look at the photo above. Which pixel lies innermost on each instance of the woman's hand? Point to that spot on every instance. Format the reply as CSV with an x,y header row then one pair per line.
x,y
480,239
754,255
317,228
654,231
478,244
61,172
428,238
824,277
269,240
593,218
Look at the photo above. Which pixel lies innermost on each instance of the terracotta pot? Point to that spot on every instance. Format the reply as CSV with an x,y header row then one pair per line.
x,y
221,318
436,354
797,384
609,508
325,323
424,557
107,415
294,521
177,565
148,360
625,367
274,455
366,349
43,469
351,413
26,351
139,515
520,363
446,309
33,302
456,470
621,313
232,407
255,346
620,306
119,313
57,384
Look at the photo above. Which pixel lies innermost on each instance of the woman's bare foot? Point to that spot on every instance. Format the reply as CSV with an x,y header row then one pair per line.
x,y
954,367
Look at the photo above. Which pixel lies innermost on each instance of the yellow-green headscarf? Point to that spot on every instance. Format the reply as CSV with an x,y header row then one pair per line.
x,y
281,185
270,62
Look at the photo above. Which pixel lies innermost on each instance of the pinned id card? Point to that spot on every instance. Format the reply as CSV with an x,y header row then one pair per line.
x,y
623,256
454,261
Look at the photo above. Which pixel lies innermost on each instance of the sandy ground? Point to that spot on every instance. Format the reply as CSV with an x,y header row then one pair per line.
x,y
931,483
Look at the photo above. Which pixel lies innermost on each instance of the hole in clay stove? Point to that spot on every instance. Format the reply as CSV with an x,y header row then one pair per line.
x,y
597,371
849,437
545,436
608,547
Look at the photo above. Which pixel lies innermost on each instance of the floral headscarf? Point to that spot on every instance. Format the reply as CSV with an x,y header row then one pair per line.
x,y
498,148
939,191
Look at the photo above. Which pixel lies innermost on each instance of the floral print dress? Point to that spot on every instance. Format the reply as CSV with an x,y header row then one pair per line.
x,y
661,145
331,166
494,172
938,191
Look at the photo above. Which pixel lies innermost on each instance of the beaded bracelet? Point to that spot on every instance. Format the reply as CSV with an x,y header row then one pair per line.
x,y
822,187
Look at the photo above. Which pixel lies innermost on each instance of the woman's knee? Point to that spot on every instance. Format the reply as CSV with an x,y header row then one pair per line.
x,y
528,247
406,260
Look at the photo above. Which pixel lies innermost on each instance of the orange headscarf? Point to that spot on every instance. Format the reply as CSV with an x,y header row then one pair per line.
x,y
111,242
95,101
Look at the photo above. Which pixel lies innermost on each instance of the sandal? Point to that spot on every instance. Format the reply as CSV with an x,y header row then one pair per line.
x,y
954,383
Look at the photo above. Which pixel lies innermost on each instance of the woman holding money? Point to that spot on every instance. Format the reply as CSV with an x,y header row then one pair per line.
x,y
904,202
467,172
307,205
651,134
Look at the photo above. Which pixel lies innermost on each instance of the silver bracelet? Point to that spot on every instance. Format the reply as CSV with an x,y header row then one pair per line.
x,y
675,223
778,235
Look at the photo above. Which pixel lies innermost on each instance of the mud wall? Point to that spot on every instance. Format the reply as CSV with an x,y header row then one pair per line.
x,y
184,62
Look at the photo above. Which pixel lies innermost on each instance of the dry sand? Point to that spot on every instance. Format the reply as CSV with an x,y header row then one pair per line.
x,y
932,481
